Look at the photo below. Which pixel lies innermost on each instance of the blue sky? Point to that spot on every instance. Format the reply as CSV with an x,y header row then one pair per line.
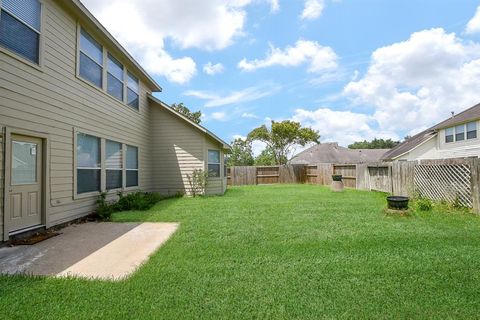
x,y
352,69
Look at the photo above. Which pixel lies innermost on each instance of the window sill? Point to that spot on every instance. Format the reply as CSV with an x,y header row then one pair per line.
x,y
21,59
136,111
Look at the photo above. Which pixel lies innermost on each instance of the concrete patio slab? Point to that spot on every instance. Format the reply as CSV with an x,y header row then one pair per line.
x,y
91,250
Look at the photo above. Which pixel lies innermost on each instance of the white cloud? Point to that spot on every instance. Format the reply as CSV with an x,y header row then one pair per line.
x,y
213,69
220,116
274,6
257,146
235,97
249,115
416,83
318,57
473,26
312,9
142,26
343,127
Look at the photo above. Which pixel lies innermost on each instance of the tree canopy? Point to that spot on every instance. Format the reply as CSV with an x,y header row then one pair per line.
x,y
183,109
241,153
265,158
374,144
283,137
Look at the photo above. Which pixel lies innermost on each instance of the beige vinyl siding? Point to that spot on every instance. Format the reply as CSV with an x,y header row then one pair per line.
x,y
178,149
215,185
54,101
2,183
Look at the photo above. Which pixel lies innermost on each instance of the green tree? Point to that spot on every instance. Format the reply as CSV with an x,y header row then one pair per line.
x,y
241,153
265,158
283,137
194,116
374,144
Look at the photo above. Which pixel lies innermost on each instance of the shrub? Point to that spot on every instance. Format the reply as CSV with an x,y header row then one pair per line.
x,y
424,204
197,181
132,201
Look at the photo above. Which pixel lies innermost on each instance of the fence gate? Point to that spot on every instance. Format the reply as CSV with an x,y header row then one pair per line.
x,y
444,182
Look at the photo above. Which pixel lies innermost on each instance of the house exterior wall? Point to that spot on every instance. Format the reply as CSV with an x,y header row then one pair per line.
x,y
50,99
461,149
178,149
2,182
437,148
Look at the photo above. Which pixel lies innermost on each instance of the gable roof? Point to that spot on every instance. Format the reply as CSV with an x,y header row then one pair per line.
x,y
408,145
82,12
333,153
165,106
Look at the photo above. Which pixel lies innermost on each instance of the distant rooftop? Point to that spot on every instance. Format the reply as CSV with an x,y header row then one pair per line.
x,y
333,153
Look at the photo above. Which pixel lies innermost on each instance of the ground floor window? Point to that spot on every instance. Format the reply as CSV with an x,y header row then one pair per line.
x,y
214,163
132,166
103,164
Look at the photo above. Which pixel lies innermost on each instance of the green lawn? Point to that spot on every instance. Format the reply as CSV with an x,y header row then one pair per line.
x,y
292,251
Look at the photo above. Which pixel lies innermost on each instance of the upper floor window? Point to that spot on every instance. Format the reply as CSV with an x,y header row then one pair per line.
x,y
20,27
115,78
214,163
91,59
449,137
461,132
472,130
132,91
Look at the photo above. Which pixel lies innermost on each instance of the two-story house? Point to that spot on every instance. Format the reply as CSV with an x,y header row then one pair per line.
x,y
77,117
456,137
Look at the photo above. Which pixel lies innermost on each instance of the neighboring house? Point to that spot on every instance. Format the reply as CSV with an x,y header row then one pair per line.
x,y
77,117
333,153
456,137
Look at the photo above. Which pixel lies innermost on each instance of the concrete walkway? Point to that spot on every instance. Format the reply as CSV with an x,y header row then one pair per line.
x,y
108,251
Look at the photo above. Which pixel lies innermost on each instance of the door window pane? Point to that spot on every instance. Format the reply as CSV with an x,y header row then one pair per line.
x,y
24,163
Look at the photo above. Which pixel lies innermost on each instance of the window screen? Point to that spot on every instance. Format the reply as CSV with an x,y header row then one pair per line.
x,y
20,27
213,163
88,163
91,59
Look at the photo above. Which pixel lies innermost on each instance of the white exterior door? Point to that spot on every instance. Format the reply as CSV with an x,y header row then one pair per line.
x,y
24,202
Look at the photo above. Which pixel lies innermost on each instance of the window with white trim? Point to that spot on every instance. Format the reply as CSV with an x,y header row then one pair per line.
x,y
214,163
113,165
91,59
472,130
132,91
114,78
132,166
20,27
460,132
449,135
88,163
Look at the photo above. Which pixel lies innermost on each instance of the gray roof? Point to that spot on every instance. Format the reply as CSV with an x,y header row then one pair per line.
x,y
333,153
470,114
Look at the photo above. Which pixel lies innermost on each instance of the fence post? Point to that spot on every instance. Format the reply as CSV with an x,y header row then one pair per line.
x,y
475,185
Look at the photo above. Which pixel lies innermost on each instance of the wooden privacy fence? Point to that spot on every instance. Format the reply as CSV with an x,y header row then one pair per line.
x,y
265,175
451,180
